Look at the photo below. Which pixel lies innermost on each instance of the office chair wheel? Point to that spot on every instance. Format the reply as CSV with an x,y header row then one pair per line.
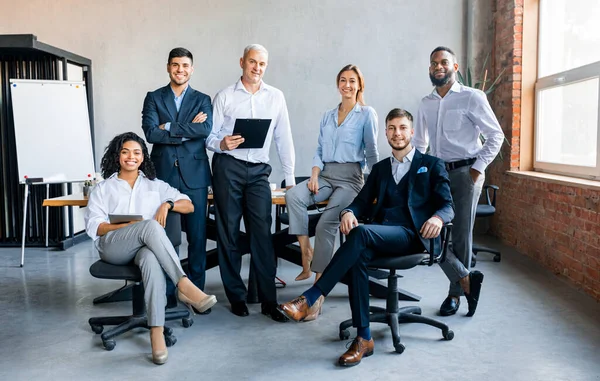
x,y
497,258
187,322
109,345
167,331
344,335
170,340
448,334
399,347
97,328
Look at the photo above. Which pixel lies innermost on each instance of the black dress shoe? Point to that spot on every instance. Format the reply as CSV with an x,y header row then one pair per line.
x,y
239,309
171,301
450,306
475,278
270,309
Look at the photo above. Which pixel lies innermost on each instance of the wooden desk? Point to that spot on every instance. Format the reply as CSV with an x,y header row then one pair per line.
x,y
76,199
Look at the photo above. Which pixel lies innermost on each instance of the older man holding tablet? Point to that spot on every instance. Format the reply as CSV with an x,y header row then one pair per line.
x,y
241,179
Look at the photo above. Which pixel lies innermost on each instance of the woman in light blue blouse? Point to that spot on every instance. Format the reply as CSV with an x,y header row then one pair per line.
x,y
347,144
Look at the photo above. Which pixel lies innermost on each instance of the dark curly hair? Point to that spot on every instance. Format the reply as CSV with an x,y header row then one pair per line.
x,y
110,160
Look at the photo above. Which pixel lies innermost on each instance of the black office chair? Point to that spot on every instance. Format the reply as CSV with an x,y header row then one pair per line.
x,y
486,210
282,217
392,315
138,318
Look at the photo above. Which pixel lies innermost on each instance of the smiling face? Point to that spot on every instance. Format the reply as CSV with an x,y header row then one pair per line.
x,y
131,156
399,132
442,68
253,64
348,84
180,70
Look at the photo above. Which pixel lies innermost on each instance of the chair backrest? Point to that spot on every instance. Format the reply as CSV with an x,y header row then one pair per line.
x,y
173,228
299,179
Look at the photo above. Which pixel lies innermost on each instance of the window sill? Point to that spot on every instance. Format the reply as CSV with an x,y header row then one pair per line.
x,y
557,179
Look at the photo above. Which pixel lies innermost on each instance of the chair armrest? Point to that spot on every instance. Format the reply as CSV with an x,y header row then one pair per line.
x,y
487,188
445,237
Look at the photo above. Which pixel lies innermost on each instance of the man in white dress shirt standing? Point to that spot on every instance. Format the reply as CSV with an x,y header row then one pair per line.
x,y
450,120
241,180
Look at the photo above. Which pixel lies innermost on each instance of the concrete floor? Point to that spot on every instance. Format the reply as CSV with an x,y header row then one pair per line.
x,y
529,326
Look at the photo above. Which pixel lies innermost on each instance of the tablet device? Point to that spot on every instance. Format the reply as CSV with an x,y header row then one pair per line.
x,y
122,218
254,132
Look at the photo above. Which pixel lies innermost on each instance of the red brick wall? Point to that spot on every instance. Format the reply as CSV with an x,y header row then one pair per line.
x,y
557,225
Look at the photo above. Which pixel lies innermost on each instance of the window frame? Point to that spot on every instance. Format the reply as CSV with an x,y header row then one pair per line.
x,y
564,78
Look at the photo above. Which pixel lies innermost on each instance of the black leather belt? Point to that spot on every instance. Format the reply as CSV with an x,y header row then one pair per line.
x,y
177,163
460,163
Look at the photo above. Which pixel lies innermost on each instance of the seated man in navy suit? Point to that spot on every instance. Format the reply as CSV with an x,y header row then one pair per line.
x,y
176,120
413,202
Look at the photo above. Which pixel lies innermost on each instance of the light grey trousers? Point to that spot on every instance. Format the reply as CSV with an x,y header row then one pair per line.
x,y
147,243
465,195
339,183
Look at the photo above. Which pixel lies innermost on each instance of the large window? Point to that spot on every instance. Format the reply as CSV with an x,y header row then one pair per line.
x,y
568,88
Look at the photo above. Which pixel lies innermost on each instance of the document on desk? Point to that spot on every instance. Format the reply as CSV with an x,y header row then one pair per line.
x,y
278,193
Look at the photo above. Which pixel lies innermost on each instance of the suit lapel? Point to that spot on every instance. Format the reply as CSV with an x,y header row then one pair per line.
x,y
185,104
385,177
169,99
412,173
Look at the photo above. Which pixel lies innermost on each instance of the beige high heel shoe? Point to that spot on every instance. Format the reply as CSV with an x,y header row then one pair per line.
x,y
159,357
315,310
197,306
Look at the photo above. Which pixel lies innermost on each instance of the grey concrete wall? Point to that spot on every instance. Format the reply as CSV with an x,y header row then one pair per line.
x,y
309,42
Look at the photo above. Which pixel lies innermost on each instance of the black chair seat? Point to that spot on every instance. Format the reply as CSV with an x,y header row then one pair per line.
x,y
399,263
484,210
312,218
104,270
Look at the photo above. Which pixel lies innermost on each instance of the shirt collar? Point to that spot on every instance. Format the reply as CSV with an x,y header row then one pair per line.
x,y
455,88
140,174
409,157
240,86
182,93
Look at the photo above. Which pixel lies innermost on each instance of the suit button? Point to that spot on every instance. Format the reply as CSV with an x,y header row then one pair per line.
x,y
177,163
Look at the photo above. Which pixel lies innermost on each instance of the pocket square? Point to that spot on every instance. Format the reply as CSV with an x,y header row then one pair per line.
x,y
422,170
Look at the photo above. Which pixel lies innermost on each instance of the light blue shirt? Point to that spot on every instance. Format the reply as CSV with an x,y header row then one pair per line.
x,y
354,141
178,101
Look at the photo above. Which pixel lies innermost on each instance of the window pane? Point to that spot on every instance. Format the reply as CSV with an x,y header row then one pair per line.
x,y
568,124
569,35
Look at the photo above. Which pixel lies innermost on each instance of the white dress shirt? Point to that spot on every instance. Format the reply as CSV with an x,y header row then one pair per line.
x,y
268,102
115,196
451,126
401,168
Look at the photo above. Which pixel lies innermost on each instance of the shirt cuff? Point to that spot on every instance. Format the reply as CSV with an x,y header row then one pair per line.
x,y
479,166
344,212
168,126
290,180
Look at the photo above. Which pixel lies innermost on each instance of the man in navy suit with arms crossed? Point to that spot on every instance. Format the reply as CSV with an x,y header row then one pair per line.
x,y
413,202
176,120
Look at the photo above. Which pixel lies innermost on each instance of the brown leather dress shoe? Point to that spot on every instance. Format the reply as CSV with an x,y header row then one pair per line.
x,y
296,309
358,349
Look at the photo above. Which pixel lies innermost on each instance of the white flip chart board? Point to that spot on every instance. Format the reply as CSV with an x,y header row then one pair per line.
x,y
52,130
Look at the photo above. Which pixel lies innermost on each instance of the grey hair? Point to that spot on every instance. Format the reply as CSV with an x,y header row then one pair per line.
x,y
257,47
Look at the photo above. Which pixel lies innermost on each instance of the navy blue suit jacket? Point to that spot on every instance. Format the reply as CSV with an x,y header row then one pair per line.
x,y
428,192
159,108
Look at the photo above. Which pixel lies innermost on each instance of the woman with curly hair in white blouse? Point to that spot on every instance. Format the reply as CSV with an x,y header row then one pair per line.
x,y
131,187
